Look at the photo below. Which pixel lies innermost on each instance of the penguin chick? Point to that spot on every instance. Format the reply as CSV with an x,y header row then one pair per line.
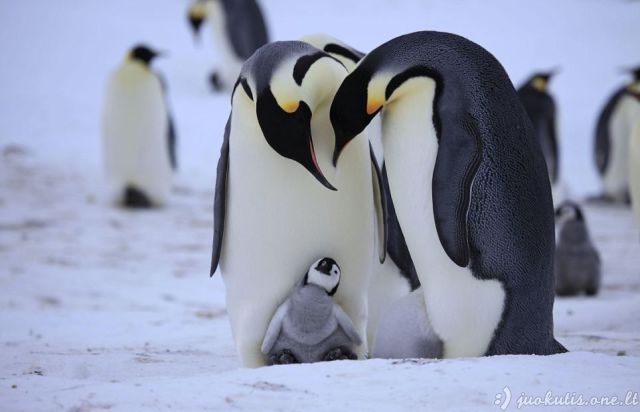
x,y
309,326
405,332
137,133
577,262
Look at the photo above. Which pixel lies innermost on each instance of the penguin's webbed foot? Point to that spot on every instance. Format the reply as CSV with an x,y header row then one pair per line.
x,y
283,357
340,353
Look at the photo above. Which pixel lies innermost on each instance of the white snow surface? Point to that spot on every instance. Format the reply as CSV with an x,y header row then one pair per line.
x,y
107,309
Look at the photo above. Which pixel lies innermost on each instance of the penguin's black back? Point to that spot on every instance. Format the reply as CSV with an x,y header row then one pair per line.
x,y
542,111
246,27
602,141
510,221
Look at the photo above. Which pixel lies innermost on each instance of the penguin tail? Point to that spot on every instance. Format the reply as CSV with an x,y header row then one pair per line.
x,y
135,199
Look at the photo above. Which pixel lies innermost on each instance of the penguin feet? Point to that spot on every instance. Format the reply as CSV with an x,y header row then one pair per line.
x,y
340,353
284,357
215,82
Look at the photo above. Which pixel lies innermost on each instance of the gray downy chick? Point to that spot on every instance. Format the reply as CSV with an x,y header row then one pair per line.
x,y
309,326
405,332
577,262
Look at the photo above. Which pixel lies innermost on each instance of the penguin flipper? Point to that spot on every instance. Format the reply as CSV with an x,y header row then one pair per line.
x,y
220,199
456,164
602,143
171,141
380,204
273,330
346,324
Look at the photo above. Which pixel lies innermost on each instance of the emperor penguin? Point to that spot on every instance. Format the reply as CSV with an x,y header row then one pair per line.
x,y
309,326
138,135
238,29
634,160
470,187
577,262
541,108
395,277
611,148
280,203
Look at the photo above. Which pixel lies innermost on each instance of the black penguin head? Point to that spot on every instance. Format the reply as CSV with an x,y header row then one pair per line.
x,y
347,55
196,16
540,81
287,81
325,273
143,54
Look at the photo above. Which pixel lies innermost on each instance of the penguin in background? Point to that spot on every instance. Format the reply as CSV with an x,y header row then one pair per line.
x,y
634,160
541,108
611,144
138,134
577,262
470,188
238,29
395,277
276,153
309,326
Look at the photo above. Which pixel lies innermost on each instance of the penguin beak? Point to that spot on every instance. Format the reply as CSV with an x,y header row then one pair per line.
x,y
288,131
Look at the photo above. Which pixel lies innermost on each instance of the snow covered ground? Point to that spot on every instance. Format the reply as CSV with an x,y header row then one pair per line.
x,y
110,309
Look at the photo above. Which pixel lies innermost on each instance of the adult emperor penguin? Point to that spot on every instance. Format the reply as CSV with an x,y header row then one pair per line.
x,y
279,201
470,188
396,277
238,29
309,326
634,160
541,108
137,133
611,148
577,262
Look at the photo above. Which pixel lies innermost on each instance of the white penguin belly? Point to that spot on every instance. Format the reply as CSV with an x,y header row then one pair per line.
x,y
135,143
634,167
280,219
616,176
464,311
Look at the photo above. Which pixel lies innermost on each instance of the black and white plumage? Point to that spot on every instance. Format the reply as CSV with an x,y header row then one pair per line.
x,y
280,203
138,134
309,326
634,160
541,108
395,277
238,29
470,187
577,262
611,145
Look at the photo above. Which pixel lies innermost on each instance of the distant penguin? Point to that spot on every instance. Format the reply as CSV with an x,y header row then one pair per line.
x,y
577,262
137,133
541,108
238,28
470,188
395,277
309,326
279,200
634,161
406,332
611,148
